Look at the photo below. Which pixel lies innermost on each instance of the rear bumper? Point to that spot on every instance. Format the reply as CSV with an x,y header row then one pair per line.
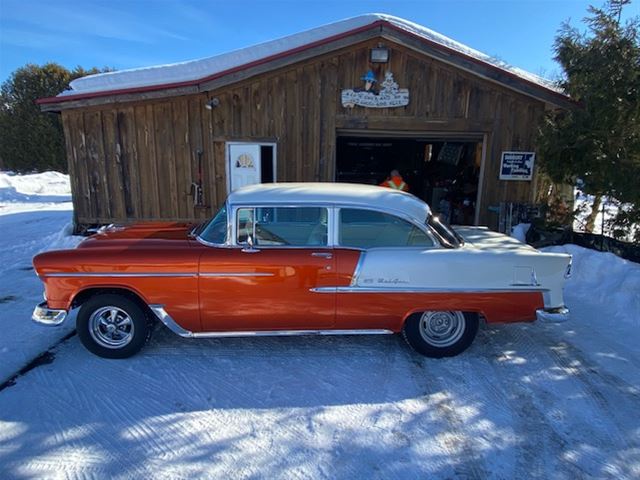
x,y
553,315
44,315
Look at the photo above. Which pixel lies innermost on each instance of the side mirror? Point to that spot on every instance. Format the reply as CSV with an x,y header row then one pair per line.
x,y
249,248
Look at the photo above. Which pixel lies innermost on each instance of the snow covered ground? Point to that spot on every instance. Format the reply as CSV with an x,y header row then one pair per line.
x,y
35,215
526,401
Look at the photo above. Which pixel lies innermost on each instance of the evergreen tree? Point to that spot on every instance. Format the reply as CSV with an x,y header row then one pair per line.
x,y
597,143
29,139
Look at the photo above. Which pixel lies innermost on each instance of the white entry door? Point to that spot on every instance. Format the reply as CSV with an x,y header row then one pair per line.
x,y
244,165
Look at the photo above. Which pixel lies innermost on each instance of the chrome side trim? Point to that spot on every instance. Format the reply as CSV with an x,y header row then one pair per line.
x,y
44,315
422,290
168,275
233,274
290,333
358,269
169,322
118,275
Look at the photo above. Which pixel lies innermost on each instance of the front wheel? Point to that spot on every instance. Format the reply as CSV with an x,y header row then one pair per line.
x,y
112,326
440,334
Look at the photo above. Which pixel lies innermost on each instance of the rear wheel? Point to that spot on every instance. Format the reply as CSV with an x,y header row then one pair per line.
x,y
440,334
112,326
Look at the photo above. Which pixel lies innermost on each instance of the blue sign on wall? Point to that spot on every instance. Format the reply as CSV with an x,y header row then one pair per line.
x,y
517,165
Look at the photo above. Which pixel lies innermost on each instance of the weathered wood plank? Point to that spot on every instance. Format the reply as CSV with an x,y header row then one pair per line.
x,y
95,164
196,112
165,159
182,155
112,152
148,171
130,165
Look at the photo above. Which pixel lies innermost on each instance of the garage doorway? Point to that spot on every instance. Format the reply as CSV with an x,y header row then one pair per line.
x,y
444,171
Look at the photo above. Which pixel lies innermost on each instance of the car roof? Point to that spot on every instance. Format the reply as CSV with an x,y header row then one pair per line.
x,y
346,194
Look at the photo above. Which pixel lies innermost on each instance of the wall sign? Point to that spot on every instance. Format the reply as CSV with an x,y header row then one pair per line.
x,y
389,95
517,165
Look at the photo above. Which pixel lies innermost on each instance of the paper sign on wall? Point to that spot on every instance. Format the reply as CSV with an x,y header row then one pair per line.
x,y
517,165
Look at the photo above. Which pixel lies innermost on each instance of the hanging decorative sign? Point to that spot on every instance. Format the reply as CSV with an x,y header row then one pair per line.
x,y
389,95
517,165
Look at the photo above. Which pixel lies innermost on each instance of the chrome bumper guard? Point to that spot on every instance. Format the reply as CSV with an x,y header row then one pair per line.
x,y
44,315
553,315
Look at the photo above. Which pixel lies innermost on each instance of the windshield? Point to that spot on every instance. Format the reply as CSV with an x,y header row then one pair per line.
x,y
445,232
214,231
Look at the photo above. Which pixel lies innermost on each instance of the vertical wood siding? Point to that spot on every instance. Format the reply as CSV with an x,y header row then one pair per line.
x,y
138,160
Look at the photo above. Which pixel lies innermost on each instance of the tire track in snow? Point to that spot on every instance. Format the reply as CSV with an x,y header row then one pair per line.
x,y
602,397
566,354
536,435
469,463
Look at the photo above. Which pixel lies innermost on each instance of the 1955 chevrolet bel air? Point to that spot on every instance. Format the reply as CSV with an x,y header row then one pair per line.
x,y
299,259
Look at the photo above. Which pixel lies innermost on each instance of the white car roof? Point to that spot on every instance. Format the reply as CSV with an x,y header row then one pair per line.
x,y
347,194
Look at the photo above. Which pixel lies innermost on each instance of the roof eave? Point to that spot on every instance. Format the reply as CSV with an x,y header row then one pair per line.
x,y
393,32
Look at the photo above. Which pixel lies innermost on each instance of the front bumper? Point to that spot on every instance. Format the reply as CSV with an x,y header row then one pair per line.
x,y
44,315
553,315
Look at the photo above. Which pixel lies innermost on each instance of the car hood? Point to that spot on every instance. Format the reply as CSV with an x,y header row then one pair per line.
x,y
481,238
148,234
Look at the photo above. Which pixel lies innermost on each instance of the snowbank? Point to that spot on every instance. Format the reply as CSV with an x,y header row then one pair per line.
x,y
519,232
603,279
46,183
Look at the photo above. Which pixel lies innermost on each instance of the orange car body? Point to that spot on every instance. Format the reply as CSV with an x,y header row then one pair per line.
x,y
162,265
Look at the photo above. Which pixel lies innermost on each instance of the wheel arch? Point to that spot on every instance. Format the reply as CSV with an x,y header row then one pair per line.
x,y
85,294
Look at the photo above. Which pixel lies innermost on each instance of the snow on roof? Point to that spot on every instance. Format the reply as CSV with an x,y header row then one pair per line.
x,y
193,70
365,196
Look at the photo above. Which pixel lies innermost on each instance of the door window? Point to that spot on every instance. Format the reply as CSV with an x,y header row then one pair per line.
x,y
368,229
250,163
283,226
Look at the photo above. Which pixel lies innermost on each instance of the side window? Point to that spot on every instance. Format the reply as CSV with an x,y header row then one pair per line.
x,y
368,229
283,226
245,225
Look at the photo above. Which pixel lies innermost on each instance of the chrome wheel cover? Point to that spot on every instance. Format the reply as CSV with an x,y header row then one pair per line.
x,y
442,329
111,327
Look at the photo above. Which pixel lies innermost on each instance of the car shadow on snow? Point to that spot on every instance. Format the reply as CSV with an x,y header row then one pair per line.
x,y
517,403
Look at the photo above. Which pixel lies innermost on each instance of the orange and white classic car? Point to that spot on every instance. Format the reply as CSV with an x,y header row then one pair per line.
x,y
300,259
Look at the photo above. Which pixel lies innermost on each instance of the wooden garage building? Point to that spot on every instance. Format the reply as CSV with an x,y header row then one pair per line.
x,y
348,101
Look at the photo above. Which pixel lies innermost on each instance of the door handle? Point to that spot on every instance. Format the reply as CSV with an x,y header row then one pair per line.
x,y
322,254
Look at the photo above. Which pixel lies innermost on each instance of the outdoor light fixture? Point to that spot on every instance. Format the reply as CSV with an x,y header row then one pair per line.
x,y
213,103
379,55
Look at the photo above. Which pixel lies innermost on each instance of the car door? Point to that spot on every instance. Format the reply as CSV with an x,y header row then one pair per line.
x,y
266,278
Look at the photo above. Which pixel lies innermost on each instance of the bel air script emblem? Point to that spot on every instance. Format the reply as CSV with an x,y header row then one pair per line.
x,y
369,96
384,281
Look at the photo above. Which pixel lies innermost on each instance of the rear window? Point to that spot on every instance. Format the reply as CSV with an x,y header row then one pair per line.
x,y
361,228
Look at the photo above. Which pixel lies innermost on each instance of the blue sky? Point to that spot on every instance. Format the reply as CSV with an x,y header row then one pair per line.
x,y
135,33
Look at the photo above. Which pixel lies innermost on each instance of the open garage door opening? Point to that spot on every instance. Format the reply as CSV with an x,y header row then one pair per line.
x,y
444,172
